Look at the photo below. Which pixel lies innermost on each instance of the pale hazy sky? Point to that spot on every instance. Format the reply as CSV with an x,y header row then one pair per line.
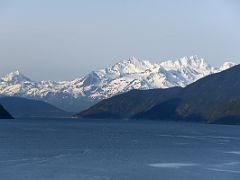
x,y
64,39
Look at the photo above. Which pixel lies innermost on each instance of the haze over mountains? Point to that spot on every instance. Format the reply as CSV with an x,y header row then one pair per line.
x,y
81,93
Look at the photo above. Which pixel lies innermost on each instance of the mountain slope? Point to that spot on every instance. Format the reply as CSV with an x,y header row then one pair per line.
x,y
209,95
128,104
26,108
122,77
4,114
215,99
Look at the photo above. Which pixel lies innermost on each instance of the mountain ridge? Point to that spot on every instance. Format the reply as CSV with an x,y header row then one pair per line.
x,y
81,93
212,99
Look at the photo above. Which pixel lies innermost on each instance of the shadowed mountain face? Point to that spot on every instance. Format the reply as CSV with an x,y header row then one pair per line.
x,y
4,114
129,104
26,108
215,99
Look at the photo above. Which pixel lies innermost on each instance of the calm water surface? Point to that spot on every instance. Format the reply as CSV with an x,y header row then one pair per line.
x,y
70,149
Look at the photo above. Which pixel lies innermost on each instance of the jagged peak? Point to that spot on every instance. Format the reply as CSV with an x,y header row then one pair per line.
x,y
17,72
193,61
226,65
131,65
15,76
133,58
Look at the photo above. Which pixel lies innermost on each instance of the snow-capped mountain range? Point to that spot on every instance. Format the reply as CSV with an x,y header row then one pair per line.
x,y
126,75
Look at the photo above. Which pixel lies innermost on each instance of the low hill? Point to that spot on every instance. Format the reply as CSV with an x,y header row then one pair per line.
x,y
4,114
27,108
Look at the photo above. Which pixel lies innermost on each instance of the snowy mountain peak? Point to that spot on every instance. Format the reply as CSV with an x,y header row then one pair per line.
x,y
134,60
137,62
227,65
17,72
131,66
186,61
15,77
124,76
192,61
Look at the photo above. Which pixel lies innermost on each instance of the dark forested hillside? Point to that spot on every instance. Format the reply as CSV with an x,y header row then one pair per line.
x,y
4,114
214,99
21,107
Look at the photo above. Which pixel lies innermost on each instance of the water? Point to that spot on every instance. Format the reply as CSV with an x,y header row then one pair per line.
x,y
69,149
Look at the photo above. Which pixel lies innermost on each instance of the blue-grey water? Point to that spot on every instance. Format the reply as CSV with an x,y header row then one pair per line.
x,y
70,149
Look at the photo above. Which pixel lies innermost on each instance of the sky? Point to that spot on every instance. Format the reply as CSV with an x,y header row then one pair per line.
x,y
65,39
